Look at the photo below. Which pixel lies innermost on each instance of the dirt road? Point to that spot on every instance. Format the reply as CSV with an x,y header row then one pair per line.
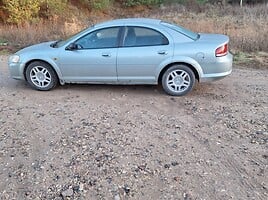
x,y
135,142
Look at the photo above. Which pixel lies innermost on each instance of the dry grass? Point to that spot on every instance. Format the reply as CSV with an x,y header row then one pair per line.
x,y
23,36
247,27
31,34
257,60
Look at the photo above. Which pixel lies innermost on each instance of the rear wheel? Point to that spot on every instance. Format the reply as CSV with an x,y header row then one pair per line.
x,y
178,80
41,76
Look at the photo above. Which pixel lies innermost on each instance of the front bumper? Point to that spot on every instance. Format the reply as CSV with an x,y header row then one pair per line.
x,y
16,70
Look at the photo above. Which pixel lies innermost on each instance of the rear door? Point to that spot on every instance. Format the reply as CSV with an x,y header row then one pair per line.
x,y
142,51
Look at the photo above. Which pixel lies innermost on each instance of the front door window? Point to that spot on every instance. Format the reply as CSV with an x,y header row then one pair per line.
x,y
99,39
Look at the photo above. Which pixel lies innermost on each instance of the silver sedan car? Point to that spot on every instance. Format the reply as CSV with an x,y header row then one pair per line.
x,y
126,51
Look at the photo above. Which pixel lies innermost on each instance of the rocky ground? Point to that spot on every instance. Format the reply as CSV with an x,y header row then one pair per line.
x,y
135,142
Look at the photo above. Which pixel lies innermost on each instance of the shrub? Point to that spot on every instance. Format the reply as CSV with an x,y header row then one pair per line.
x,y
130,3
49,8
21,11
95,4
100,4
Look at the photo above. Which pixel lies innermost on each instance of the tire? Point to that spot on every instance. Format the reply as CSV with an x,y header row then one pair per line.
x,y
41,76
178,80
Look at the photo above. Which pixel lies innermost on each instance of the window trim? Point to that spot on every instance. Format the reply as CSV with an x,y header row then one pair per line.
x,y
134,26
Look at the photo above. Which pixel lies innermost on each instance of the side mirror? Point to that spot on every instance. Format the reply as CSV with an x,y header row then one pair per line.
x,y
72,47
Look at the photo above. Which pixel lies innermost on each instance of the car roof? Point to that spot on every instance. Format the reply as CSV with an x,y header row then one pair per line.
x,y
118,22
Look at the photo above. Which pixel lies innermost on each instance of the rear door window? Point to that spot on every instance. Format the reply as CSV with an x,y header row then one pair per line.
x,y
141,36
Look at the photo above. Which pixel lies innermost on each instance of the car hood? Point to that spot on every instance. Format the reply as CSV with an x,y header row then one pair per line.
x,y
42,46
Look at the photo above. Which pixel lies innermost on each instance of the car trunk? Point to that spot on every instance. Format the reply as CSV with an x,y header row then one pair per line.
x,y
217,39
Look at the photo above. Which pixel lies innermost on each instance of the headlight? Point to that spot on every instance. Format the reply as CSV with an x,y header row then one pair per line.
x,y
14,59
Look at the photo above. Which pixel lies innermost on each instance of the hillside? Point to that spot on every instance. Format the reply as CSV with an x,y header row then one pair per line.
x,y
42,20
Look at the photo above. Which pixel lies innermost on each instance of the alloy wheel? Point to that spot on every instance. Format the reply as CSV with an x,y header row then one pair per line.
x,y
40,76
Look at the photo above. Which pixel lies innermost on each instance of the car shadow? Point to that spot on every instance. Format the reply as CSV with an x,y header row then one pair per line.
x,y
200,89
134,89
147,90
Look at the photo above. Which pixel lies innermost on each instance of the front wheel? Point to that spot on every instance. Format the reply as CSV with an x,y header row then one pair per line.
x,y
41,76
178,80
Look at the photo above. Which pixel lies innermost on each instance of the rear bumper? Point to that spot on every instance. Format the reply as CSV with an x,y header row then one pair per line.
x,y
218,70
214,77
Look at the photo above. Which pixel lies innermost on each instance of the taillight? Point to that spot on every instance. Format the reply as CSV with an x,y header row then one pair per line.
x,y
222,50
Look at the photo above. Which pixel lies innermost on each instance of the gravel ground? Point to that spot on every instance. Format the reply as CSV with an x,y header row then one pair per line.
x,y
135,142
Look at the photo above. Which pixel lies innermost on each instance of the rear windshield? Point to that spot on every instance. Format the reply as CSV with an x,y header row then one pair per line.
x,y
180,29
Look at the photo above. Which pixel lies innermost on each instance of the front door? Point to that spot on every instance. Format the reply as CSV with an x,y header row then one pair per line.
x,y
94,59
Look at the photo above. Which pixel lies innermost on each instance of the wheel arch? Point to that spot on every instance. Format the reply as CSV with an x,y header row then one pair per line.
x,y
57,72
178,63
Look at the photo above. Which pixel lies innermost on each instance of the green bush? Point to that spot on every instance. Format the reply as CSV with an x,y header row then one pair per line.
x,y
21,11
100,4
96,4
130,3
50,8
202,1
186,1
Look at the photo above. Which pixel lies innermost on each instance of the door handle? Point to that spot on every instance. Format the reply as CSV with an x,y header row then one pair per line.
x,y
106,54
162,52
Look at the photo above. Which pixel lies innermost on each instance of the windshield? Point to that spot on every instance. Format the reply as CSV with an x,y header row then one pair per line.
x,y
182,30
61,43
